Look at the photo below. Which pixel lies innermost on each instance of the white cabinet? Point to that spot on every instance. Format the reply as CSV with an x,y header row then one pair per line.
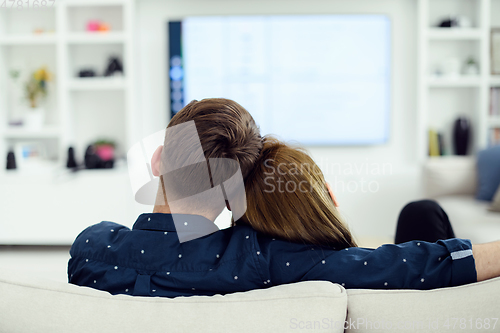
x,y
52,205
443,98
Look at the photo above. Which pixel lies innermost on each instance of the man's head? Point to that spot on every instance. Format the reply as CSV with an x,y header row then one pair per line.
x,y
225,130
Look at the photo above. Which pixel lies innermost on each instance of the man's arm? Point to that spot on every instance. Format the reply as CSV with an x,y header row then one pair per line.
x,y
487,258
411,265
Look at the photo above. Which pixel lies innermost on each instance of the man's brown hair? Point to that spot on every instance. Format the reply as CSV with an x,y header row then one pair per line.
x,y
225,129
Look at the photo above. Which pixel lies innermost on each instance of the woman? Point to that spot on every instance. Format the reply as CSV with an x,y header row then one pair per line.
x,y
288,199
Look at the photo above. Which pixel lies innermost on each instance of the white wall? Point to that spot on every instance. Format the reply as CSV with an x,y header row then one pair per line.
x,y
368,212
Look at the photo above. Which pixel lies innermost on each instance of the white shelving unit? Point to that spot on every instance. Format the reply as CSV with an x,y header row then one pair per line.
x,y
495,80
96,38
21,39
97,84
443,99
454,34
78,110
494,121
457,82
20,133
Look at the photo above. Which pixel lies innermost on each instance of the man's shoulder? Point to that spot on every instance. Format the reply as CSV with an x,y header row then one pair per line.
x,y
98,233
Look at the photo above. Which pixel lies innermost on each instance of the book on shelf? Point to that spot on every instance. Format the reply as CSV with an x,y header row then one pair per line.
x,y
495,102
434,143
441,145
494,137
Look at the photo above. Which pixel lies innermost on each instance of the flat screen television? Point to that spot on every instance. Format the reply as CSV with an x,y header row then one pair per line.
x,y
313,79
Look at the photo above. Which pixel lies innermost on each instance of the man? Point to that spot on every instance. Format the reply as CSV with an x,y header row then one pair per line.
x,y
109,256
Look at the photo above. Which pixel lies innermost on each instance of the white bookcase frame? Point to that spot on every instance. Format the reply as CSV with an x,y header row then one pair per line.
x,y
427,85
62,40
68,202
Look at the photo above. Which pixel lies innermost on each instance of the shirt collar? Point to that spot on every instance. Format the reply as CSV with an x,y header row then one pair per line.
x,y
165,222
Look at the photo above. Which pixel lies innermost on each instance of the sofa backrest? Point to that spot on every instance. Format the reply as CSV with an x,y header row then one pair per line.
x,y
468,308
36,305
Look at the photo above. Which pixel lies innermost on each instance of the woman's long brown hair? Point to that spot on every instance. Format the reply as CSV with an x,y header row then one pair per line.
x,y
287,198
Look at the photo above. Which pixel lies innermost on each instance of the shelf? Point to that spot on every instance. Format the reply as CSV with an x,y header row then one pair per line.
x,y
495,81
494,121
454,33
25,170
97,83
24,133
72,38
96,37
91,3
461,81
55,170
29,39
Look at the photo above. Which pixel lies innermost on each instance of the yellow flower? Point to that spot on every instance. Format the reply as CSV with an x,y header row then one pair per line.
x,y
42,74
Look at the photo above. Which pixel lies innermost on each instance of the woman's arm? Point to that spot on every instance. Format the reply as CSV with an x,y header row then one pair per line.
x,y
487,258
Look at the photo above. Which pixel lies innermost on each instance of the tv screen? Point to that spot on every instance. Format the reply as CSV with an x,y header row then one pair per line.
x,y
317,80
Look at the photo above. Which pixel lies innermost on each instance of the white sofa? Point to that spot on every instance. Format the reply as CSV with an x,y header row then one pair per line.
x,y
452,181
29,304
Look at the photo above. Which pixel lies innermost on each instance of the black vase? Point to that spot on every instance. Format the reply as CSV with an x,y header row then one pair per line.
x,y
461,135
114,66
93,161
11,160
71,162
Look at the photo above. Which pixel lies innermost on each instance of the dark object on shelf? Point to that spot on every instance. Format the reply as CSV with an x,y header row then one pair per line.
x,y
461,135
71,162
86,73
448,23
11,160
93,161
441,144
14,123
114,67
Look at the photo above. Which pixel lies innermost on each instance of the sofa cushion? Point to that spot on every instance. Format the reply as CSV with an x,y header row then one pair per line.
x,y
495,205
471,219
450,175
488,167
38,305
424,311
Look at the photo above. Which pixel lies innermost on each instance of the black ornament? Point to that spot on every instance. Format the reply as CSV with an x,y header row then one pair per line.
x,y
461,135
114,66
11,160
71,162
448,23
86,73
93,161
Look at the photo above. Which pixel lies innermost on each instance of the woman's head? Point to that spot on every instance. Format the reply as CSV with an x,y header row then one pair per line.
x,y
287,197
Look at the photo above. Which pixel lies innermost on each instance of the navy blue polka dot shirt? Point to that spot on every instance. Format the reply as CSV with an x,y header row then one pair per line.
x,y
149,260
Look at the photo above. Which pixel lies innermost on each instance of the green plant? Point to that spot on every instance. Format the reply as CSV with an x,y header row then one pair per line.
x,y
36,87
14,74
471,61
104,142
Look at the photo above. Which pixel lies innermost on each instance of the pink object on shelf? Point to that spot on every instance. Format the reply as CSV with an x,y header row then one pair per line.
x,y
92,25
105,152
103,27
